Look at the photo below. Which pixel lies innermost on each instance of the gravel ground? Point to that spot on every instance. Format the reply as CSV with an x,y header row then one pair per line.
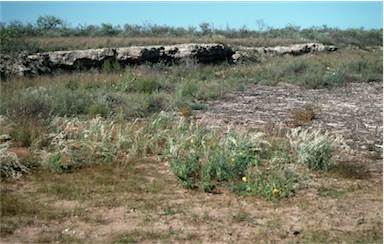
x,y
354,111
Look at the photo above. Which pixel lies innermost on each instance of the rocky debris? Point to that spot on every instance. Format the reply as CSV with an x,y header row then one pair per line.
x,y
25,64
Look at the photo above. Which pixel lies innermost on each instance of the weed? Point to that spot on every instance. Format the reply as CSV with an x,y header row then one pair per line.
x,y
98,109
10,165
314,148
186,112
301,116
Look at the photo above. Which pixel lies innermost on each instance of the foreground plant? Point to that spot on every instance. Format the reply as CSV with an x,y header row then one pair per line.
x,y
314,148
74,143
10,165
245,164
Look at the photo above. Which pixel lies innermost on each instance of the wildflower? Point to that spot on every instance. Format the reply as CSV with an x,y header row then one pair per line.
x,y
121,75
244,179
192,141
232,160
241,153
275,191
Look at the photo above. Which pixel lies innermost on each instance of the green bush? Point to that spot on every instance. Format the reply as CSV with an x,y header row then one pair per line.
x,y
245,164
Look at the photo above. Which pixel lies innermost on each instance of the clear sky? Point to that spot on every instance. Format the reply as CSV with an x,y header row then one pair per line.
x,y
235,14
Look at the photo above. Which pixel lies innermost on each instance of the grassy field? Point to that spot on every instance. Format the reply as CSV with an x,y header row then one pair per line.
x,y
118,156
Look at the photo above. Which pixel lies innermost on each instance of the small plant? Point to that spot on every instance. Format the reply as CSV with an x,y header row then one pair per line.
x,y
314,148
9,162
187,170
55,163
301,116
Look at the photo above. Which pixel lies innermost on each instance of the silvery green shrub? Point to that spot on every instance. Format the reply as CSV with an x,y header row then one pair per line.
x,y
314,148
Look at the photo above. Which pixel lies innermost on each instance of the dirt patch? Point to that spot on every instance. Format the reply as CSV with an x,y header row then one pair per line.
x,y
354,111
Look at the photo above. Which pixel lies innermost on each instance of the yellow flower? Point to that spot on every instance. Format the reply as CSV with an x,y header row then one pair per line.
x,y
275,191
192,141
244,179
241,153
232,160
121,75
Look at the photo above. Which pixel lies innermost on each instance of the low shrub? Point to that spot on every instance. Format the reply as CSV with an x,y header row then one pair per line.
x,y
314,148
10,165
29,105
245,164
301,116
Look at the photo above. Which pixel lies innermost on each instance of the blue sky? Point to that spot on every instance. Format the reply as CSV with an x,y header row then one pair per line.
x,y
234,14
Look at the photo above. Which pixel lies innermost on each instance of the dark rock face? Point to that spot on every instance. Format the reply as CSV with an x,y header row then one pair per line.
x,y
45,63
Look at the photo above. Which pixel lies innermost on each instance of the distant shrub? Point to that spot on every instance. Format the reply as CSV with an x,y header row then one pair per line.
x,y
29,112
146,85
28,105
301,116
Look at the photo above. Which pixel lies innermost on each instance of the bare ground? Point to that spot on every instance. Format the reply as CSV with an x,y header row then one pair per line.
x,y
354,111
154,208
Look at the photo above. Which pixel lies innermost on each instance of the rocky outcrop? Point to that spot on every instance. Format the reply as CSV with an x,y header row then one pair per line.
x,y
44,63
257,53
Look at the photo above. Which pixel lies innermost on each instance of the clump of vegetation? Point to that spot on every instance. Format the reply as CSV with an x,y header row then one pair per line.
x,y
10,165
314,148
245,164
301,116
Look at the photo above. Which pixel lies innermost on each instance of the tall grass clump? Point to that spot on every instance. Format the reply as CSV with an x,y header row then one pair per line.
x,y
314,149
28,112
75,143
10,165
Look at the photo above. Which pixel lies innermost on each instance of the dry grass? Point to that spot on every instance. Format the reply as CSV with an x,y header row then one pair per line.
x,y
302,116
